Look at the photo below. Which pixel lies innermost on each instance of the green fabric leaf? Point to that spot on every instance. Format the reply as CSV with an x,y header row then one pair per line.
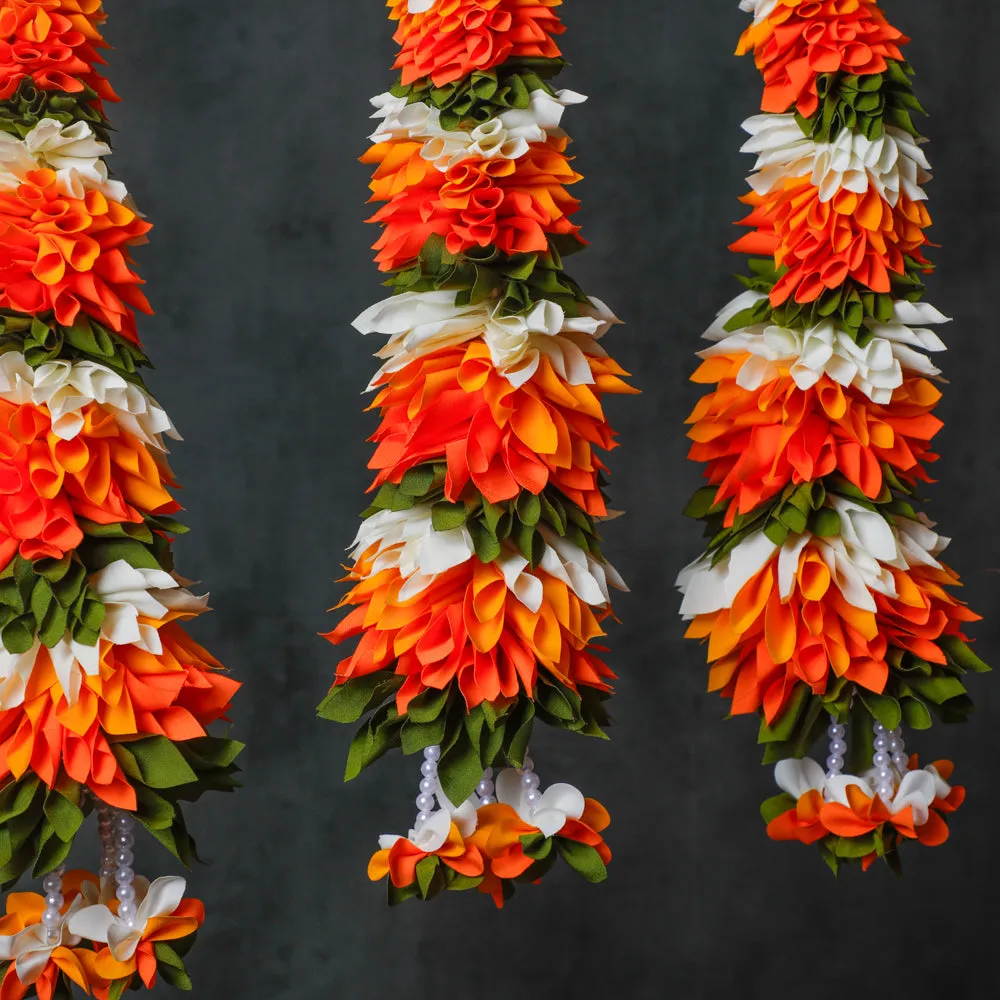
x,y
348,702
776,806
447,516
883,708
460,768
65,817
159,762
583,859
426,870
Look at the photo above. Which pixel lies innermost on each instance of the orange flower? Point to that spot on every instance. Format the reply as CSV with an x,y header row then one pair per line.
x,y
175,693
762,647
757,442
454,405
513,204
66,254
54,42
800,39
400,861
467,628
456,37
104,474
802,823
857,236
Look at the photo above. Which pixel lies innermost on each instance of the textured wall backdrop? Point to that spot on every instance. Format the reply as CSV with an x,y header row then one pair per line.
x,y
238,135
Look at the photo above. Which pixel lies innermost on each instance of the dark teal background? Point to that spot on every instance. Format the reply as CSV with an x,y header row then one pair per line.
x,y
238,135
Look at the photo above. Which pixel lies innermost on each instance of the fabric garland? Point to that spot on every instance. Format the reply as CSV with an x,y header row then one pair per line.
x,y
822,598
105,701
479,591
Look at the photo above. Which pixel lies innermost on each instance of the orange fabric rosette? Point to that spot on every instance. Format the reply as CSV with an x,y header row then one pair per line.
x,y
756,442
453,404
68,255
400,861
800,39
55,43
512,204
104,474
468,629
176,693
823,244
458,37
762,647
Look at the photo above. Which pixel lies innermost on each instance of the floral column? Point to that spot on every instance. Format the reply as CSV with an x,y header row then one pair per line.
x,y
478,587
105,701
822,598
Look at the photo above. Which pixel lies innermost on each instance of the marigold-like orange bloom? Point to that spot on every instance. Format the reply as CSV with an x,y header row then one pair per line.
x,y
513,204
176,693
55,43
857,236
499,834
756,442
800,39
468,629
454,405
761,648
456,37
400,861
104,474
67,255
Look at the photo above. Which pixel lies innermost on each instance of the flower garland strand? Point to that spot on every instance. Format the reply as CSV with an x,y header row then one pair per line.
x,y
479,590
105,701
821,597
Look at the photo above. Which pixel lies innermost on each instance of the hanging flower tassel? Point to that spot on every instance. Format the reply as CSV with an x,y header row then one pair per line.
x,y
479,592
822,595
105,701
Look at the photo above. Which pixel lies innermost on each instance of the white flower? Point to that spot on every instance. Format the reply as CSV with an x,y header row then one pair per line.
x,y
507,136
420,323
432,834
799,777
72,151
98,924
408,542
419,6
860,560
549,812
917,789
66,387
130,594
31,950
127,594
824,349
759,8
892,164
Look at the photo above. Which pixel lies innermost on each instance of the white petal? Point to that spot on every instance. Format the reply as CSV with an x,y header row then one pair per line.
x,y
797,777
92,923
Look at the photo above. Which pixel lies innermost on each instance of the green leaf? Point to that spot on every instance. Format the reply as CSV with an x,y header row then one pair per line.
x,y
348,702
529,509
118,987
448,516
417,481
426,870
159,762
171,966
825,523
373,741
487,546
776,806
519,732
916,715
937,689
962,655
783,728
460,768
17,637
65,817
854,847
882,707
583,859
53,853
428,705
417,736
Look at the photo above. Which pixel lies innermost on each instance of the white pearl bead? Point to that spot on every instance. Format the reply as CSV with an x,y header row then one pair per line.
x,y
883,776
127,912
125,893
530,781
422,817
881,759
428,786
488,774
487,800
836,732
884,792
429,769
52,883
881,743
896,745
51,918
55,900
425,802
125,841
484,788
899,762
835,763
879,728
533,796
124,876
838,746
432,753
529,764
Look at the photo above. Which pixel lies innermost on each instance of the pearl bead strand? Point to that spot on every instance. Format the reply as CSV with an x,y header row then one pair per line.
x,y
889,760
838,747
486,788
52,918
425,801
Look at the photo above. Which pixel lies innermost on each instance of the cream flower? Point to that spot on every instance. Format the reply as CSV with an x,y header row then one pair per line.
x,y
420,323
507,136
66,387
860,560
876,369
432,834
559,802
31,950
73,152
98,924
128,594
893,164
798,777
408,542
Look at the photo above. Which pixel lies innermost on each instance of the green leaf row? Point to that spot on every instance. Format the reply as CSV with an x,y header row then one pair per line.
x,y
515,521
41,339
470,741
28,105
